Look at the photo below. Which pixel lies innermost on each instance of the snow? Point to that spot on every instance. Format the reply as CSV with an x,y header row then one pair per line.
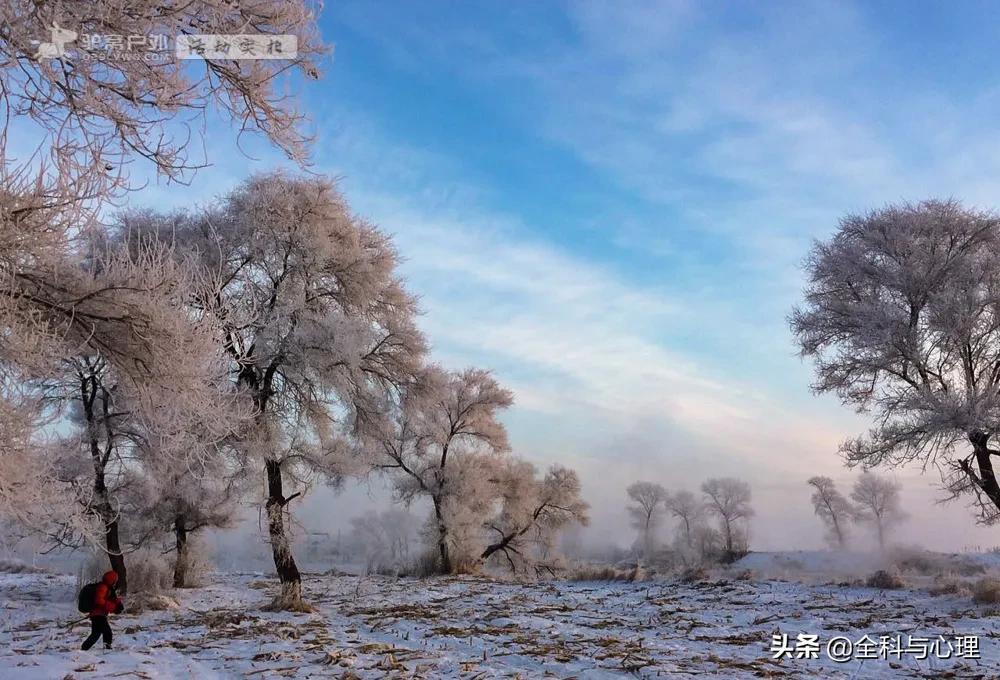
x,y
373,627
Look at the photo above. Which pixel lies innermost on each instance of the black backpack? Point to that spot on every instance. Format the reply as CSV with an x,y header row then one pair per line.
x,y
85,600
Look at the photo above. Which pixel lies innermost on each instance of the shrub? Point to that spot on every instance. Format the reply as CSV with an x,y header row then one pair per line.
x,y
917,561
986,590
148,572
946,586
694,575
885,580
603,572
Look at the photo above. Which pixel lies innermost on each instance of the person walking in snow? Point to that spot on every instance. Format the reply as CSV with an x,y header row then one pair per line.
x,y
100,600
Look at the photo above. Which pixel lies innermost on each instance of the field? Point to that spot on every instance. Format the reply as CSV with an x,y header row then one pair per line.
x,y
374,627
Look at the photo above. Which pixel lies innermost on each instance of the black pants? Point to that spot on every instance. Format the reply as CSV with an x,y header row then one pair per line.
x,y
99,626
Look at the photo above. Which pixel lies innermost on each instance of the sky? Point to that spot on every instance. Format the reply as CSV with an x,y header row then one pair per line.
x,y
608,203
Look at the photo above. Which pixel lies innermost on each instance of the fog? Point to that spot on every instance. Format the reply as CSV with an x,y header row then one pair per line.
x,y
784,515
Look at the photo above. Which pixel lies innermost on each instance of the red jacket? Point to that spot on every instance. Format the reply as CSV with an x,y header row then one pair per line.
x,y
104,602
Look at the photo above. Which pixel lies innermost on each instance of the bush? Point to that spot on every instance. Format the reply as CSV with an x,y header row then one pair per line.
x,y
986,590
917,561
604,572
885,580
694,575
946,586
148,572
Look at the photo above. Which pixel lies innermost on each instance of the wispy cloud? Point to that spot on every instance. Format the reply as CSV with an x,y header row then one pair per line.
x,y
725,140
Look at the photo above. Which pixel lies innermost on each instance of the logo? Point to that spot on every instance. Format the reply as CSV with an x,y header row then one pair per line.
x,y
237,46
57,47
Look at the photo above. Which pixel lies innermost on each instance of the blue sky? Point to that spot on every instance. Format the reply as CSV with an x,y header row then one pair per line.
x,y
607,203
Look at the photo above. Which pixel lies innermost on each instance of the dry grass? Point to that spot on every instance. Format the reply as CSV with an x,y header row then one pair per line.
x,y
886,580
986,590
599,573
946,585
694,575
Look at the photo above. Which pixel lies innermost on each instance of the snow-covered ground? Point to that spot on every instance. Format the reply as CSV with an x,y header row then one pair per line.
x,y
373,627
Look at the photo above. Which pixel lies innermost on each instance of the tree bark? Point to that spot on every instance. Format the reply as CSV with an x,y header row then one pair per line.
x,y
290,596
112,540
181,562
443,552
986,480
115,556
687,534
89,387
837,530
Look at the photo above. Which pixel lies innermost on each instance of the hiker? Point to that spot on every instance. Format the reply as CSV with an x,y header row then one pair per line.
x,y
102,600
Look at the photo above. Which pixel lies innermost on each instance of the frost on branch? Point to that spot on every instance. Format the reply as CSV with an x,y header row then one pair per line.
x,y
532,513
99,111
877,503
646,510
728,500
112,420
440,440
315,323
32,496
834,509
901,319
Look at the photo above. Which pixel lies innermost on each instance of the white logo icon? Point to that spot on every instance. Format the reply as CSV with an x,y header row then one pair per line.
x,y
57,47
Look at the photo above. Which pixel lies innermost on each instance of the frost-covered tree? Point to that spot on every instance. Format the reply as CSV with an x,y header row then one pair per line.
x,y
709,544
89,114
32,496
314,319
532,514
877,502
833,508
728,500
690,513
184,496
648,504
94,109
441,442
901,318
109,416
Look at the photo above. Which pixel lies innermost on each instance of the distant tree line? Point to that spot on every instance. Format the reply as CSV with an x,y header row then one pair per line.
x,y
724,500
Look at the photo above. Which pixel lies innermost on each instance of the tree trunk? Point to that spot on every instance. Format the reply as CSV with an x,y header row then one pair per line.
x,y
181,561
443,552
115,556
99,459
290,596
837,530
881,535
986,479
647,547
112,541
